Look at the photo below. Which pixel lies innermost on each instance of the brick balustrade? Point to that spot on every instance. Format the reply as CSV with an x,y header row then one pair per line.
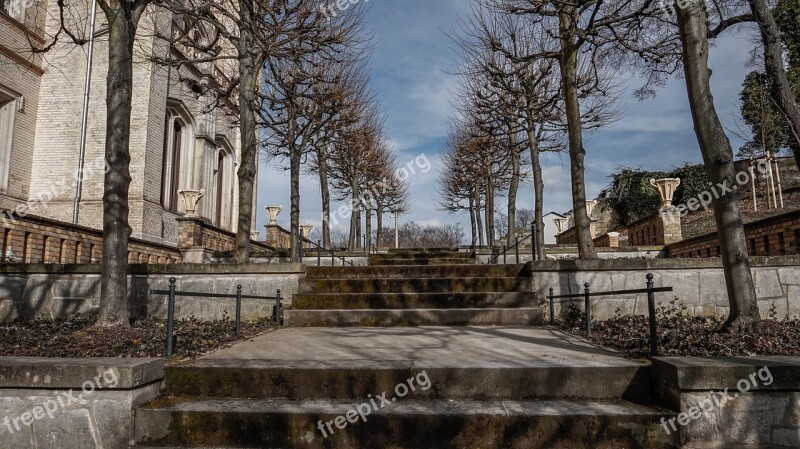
x,y
774,236
33,239
663,228
198,240
278,237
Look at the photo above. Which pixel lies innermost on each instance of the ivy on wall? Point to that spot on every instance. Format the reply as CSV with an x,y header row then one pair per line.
x,y
633,198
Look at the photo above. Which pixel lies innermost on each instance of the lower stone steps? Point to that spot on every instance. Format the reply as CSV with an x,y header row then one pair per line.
x,y
523,316
450,379
450,300
402,423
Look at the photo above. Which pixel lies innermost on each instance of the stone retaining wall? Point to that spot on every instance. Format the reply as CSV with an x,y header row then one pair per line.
x,y
56,291
73,403
699,284
761,406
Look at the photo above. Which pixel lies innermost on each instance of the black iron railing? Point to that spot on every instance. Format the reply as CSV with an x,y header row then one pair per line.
x,y
496,253
172,293
320,249
651,290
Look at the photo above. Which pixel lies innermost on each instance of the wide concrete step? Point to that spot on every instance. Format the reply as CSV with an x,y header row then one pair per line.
x,y
401,423
426,284
446,379
416,271
414,317
411,300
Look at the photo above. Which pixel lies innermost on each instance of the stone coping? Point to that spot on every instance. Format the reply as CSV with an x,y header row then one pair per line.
x,y
61,373
170,269
694,373
653,264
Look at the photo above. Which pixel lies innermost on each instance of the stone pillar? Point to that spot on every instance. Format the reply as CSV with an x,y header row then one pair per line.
x,y
613,239
670,217
307,228
190,240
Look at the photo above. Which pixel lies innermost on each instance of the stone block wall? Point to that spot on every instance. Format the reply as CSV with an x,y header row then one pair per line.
x,y
699,284
56,291
774,236
74,403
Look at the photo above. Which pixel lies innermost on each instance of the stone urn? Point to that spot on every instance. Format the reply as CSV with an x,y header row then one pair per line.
x,y
273,212
306,229
190,200
590,205
561,224
666,190
254,235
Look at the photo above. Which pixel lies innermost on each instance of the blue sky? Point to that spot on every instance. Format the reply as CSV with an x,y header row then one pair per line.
x,y
411,65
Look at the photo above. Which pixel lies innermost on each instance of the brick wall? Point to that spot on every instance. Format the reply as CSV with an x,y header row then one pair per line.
x,y
41,240
198,233
774,236
663,228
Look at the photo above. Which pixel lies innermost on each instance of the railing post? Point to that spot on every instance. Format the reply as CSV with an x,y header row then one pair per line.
x,y
238,309
516,249
300,243
504,254
278,307
552,309
651,306
170,315
588,307
533,240
319,254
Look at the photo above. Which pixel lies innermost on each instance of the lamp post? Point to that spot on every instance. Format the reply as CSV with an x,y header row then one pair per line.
x,y
395,214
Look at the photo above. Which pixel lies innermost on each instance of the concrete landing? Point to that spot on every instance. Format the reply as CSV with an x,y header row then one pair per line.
x,y
506,346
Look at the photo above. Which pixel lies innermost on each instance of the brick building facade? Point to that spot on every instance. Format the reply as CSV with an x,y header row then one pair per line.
x,y
178,140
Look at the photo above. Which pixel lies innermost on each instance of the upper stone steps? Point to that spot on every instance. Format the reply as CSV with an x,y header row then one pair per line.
x,y
422,257
415,271
416,285
438,300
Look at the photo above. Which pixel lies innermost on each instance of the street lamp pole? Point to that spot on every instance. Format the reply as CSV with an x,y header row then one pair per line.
x,y
396,231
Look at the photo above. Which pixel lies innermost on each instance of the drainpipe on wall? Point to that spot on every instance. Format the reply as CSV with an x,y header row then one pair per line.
x,y
84,118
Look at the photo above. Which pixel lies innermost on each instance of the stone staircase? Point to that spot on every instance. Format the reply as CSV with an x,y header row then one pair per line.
x,y
478,405
403,288
390,387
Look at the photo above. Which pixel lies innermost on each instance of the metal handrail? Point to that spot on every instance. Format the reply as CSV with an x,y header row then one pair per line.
x,y
172,293
651,290
320,248
515,247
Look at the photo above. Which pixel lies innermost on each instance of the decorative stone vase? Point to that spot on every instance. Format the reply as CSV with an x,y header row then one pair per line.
x,y
561,224
666,189
590,205
254,235
190,200
273,212
306,229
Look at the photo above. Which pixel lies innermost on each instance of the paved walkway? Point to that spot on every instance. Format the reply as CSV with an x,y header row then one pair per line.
x,y
524,346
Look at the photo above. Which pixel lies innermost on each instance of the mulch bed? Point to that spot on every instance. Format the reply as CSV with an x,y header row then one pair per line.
x,y
693,336
75,337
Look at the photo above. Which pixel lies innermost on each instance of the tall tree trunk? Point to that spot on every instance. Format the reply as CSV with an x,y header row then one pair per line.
x,y
538,185
248,82
577,153
780,89
116,230
294,168
368,227
478,211
472,220
512,190
326,200
379,229
718,158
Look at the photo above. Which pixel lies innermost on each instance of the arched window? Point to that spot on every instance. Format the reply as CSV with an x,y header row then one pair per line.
x,y
8,110
223,183
178,157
